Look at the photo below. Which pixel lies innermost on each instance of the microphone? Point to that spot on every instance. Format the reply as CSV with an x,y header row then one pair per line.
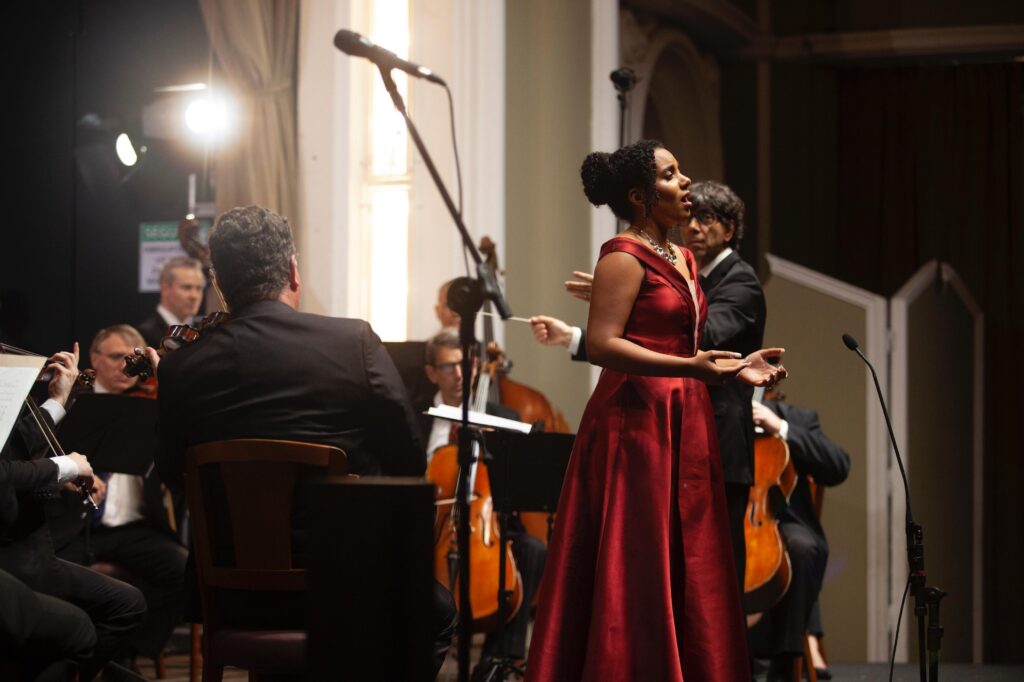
x,y
624,78
351,43
852,344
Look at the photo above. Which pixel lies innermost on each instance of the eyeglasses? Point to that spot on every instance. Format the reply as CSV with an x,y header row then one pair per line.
x,y
707,217
447,367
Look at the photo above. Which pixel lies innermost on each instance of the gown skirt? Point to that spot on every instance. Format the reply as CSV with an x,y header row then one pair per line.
x,y
640,581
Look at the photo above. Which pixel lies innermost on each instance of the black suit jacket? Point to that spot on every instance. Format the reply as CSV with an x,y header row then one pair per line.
x,y
26,550
814,454
274,372
735,322
152,329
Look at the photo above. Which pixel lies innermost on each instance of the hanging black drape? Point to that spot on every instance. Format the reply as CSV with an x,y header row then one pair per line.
x,y
929,165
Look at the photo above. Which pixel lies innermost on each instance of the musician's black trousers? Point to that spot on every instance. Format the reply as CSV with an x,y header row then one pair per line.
x,y
782,629
530,554
114,608
158,560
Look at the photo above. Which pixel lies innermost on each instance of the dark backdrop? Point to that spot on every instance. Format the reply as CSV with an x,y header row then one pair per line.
x,y
878,169
69,259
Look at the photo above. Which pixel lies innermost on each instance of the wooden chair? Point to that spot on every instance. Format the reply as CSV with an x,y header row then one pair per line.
x,y
254,509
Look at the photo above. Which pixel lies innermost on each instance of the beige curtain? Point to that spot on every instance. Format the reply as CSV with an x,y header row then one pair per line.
x,y
255,44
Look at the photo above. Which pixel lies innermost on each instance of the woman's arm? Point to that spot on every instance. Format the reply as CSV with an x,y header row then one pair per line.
x,y
617,281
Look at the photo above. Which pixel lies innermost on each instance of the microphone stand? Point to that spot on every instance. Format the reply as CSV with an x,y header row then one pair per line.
x,y
465,296
926,599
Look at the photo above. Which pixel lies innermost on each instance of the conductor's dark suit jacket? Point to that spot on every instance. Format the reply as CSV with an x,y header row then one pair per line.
x,y
735,322
274,372
736,317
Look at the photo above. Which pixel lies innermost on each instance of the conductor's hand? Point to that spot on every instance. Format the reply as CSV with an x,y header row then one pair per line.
x,y
581,286
65,372
764,368
550,330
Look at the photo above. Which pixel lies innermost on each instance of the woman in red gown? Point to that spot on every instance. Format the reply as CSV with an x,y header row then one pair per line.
x,y
640,581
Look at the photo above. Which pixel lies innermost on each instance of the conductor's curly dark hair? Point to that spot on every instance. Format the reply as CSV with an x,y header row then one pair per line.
x,y
608,178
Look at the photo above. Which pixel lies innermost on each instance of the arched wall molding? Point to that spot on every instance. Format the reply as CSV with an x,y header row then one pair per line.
x,y
644,45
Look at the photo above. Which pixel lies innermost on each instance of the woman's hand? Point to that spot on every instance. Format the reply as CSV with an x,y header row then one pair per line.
x,y
716,367
763,368
581,286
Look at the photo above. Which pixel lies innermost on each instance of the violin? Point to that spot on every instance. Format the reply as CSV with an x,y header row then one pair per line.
x,y
768,568
177,336
485,547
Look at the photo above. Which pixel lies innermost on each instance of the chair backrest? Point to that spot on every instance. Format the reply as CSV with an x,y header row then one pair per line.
x,y
258,479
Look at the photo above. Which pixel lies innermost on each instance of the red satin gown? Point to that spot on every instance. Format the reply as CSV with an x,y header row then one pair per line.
x,y
640,580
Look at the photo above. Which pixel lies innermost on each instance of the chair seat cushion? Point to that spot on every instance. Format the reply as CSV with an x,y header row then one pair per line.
x,y
266,651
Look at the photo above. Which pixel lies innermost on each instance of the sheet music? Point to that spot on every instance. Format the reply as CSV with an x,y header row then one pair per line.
x,y
479,419
17,374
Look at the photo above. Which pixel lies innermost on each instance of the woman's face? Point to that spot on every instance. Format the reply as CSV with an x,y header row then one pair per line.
x,y
673,205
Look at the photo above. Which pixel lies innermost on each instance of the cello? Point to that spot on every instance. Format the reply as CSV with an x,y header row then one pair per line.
x,y
768,569
485,546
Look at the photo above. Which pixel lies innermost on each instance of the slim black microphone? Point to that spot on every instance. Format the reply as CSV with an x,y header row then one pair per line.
x,y
852,344
356,45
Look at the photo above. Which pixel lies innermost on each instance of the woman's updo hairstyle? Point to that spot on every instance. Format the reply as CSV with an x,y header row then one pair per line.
x,y
607,178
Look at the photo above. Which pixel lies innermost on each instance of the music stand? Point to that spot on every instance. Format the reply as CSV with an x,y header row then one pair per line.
x,y
116,432
526,471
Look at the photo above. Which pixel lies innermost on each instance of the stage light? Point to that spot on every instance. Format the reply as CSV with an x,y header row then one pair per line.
x,y
126,150
207,116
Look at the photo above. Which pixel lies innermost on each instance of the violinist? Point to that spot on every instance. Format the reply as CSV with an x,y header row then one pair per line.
x,y
443,368
131,527
181,294
271,371
85,615
779,635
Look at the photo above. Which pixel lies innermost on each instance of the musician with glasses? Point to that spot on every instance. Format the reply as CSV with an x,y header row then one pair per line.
x,y
443,368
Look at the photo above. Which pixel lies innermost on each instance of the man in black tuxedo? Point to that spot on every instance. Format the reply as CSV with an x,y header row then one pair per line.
x,y
26,548
271,371
735,322
780,633
443,369
181,294
132,527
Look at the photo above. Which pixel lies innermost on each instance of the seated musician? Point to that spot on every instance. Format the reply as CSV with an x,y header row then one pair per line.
x,y
132,527
443,355
780,634
76,613
181,294
272,371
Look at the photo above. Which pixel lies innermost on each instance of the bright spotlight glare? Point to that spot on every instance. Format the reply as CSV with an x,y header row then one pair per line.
x,y
205,116
125,150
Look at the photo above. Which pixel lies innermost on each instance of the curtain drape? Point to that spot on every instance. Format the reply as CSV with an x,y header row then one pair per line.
x,y
255,44
930,166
